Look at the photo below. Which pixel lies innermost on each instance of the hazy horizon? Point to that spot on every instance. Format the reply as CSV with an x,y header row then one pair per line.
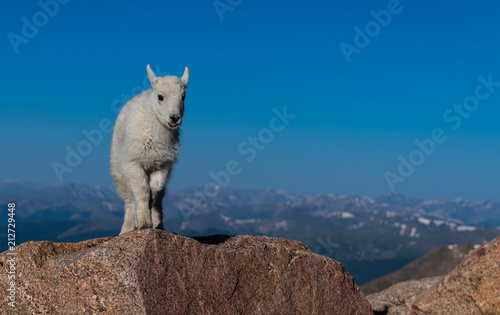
x,y
195,189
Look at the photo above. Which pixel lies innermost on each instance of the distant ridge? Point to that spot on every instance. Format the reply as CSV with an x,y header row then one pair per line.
x,y
438,262
41,198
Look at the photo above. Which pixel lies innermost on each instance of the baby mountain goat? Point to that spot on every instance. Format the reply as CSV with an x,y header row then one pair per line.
x,y
144,149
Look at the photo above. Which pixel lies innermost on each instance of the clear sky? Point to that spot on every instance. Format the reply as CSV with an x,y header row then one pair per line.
x,y
364,80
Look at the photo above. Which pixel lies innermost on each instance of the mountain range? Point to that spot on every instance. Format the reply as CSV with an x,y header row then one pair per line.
x,y
370,236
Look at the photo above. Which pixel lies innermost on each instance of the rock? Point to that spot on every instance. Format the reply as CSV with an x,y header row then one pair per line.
x,y
156,272
471,288
397,299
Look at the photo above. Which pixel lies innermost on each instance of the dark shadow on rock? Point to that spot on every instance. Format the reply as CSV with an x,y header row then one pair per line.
x,y
381,312
212,239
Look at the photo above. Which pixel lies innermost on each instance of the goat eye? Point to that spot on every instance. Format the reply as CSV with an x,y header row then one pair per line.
x,y
183,96
160,97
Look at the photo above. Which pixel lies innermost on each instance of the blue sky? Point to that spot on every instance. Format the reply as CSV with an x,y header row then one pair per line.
x,y
355,116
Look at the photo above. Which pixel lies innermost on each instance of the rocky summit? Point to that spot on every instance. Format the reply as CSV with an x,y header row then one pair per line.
x,y
156,272
471,288
398,298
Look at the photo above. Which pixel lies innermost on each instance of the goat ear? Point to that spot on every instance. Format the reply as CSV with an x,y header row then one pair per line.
x,y
152,77
185,76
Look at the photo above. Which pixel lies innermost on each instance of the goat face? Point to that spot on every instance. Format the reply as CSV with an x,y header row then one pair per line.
x,y
168,97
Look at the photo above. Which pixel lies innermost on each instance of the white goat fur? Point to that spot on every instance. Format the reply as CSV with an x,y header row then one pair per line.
x,y
144,149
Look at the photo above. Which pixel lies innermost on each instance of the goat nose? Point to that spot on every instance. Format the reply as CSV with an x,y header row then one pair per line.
x,y
174,118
